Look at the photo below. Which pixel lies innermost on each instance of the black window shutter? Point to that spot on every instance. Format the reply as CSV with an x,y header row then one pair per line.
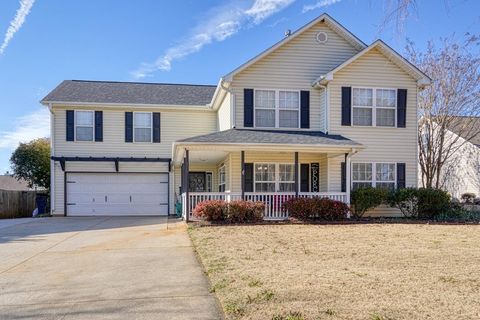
x,y
70,125
156,127
401,108
346,106
343,175
248,107
248,177
401,175
305,109
99,126
304,175
128,126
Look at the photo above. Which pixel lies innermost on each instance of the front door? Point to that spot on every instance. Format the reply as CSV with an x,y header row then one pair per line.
x,y
197,182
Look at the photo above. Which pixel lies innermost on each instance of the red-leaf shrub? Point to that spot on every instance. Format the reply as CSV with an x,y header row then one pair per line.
x,y
316,208
240,211
211,210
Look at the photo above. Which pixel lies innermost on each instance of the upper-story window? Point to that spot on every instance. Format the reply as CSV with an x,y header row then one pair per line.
x,y
277,109
84,125
374,107
142,126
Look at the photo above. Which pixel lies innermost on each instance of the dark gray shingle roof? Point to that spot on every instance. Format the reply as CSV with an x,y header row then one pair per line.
x,y
465,127
272,137
131,93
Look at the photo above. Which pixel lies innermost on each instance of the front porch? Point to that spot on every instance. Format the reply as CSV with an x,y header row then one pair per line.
x,y
268,172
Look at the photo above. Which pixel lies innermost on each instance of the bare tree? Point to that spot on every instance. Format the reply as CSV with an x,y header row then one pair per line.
x,y
397,12
450,104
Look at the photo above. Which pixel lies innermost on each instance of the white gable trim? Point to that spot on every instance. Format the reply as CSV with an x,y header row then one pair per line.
x,y
422,79
350,37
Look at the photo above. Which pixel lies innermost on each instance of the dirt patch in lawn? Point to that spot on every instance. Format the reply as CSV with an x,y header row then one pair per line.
x,y
343,271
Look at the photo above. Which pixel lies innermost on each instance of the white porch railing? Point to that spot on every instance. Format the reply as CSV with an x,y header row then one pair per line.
x,y
273,200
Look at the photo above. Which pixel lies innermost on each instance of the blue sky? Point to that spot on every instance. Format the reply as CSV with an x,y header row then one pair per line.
x,y
190,41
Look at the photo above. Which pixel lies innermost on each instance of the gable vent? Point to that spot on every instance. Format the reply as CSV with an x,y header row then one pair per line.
x,y
321,37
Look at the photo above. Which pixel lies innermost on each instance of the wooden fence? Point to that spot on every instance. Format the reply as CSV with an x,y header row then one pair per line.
x,y
17,204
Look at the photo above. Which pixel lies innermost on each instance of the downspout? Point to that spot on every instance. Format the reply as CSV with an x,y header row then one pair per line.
x,y
232,104
325,91
52,163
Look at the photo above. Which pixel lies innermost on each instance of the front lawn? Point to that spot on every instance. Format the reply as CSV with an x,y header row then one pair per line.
x,y
391,271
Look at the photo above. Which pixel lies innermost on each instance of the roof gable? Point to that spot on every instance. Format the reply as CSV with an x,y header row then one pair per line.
x,y
393,56
330,22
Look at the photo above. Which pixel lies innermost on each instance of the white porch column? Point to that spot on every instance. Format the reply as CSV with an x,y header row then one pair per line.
x,y
348,172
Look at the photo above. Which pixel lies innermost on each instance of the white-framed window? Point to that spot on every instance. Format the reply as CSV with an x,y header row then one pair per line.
x,y
84,125
362,175
221,178
374,107
142,127
277,108
272,177
377,175
385,176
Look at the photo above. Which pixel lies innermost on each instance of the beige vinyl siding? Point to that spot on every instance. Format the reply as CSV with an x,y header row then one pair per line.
x,y
225,114
381,144
175,125
295,65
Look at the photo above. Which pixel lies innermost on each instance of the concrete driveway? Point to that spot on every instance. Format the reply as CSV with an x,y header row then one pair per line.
x,y
101,268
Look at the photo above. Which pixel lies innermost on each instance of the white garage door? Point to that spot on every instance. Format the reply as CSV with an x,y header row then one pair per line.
x,y
117,194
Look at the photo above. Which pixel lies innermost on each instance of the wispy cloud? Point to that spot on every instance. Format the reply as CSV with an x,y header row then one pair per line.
x,y
17,22
219,24
318,5
28,127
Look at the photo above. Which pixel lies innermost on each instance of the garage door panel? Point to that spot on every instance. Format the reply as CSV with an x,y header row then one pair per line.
x,y
117,194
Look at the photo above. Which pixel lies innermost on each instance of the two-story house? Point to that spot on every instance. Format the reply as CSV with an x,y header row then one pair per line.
x,y
317,114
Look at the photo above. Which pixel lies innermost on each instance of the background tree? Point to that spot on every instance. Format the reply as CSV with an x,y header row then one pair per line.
x,y
31,162
449,103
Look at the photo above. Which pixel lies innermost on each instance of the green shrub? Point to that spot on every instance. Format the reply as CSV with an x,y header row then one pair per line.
x,y
432,202
316,208
406,200
367,198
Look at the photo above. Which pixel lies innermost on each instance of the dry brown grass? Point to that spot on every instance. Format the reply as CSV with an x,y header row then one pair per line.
x,y
343,272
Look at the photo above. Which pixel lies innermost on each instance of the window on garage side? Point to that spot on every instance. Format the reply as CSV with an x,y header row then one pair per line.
x,y
142,126
84,125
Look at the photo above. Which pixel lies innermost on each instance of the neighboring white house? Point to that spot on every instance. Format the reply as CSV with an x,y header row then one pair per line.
x,y
318,113
461,173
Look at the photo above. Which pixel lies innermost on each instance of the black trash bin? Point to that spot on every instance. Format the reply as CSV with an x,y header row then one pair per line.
x,y
41,201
